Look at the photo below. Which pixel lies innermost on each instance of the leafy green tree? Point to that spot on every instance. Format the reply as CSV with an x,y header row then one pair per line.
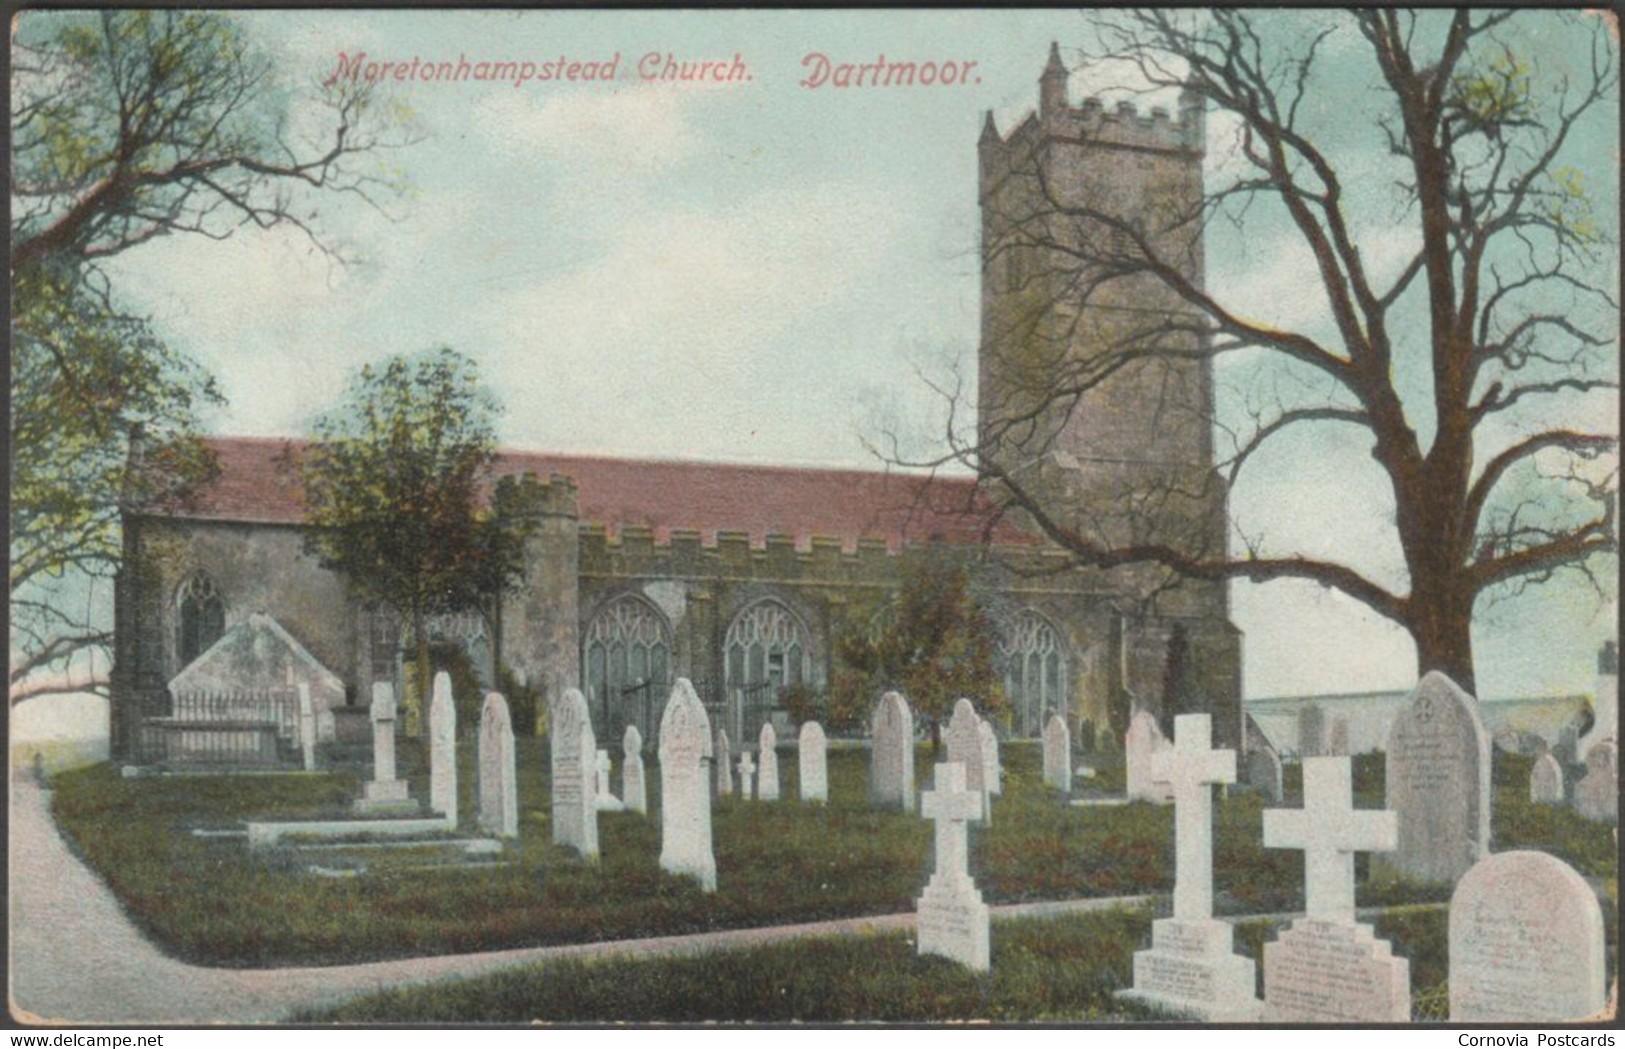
x,y
930,639
126,127
394,479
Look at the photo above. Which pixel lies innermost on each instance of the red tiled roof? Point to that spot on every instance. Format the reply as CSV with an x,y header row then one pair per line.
x,y
662,495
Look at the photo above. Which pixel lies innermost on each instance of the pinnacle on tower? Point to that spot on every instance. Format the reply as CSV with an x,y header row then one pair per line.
x,y
1052,85
990,130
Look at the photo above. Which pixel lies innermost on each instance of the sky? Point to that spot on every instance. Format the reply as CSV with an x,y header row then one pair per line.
x,y
757,271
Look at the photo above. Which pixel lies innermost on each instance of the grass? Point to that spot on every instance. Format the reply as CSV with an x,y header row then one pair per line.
x,y
212,902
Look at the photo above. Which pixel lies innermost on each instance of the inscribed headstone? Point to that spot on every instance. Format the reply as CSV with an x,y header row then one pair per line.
x,y
1438,780
443,750
1143,739
813,758
1546,781
963,742
992,769
685,795
1526,943
767,781
499,785
891,754
1057,754
724,761
574,753
634,789
952,919
1597,795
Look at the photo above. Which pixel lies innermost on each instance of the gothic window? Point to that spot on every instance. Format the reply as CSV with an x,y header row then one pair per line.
x,y
766,648
200,618
1034,672
625,666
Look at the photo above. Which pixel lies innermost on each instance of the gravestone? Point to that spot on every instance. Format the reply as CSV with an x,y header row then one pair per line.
x,y
1057,754
1526,943
813,757
383,792
1338,743
1438,779
685,794
767,779
574,753
499,784
992,770
604,792
891,754
725,769
443,750
952,919
1311,731
1596,796
634,791
1546,781
1326,967
963,741
747,768
307,727
1605,702
1143,739
1191,968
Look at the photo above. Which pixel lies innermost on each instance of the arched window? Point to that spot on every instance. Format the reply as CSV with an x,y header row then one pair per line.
x,y
1034,672
765,650
200,618
626,667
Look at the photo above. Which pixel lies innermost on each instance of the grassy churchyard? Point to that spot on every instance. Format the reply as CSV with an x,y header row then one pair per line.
x,y
209,900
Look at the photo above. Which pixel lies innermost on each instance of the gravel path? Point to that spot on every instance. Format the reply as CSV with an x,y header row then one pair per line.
x,y
77,959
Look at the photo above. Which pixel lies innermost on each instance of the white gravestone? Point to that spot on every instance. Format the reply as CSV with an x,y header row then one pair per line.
x,y
767,780
992,770
963,741
574,752
1605,704
747,768
891,754
685,790
307,727
725,769
499,785
1526,943
1596,796
813,758
1327,967
634,788
952,919
1191,968
1143,740
1546,780
1057,754
443,750
383,792
604,794
1438,782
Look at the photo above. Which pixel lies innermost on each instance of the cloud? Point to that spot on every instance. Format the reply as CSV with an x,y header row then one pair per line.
x,y
641,127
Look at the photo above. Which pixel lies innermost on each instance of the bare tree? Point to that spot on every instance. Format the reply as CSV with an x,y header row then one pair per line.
x,y
1504,307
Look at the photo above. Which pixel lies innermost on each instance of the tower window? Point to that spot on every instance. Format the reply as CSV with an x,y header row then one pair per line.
x,y
200,618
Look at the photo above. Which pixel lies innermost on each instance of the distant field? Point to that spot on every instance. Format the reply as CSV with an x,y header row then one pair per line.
x,y
58,755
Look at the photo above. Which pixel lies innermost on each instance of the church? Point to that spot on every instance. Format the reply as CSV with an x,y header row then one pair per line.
x,y
739,577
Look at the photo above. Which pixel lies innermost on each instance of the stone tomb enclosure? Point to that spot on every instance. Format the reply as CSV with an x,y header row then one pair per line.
x,y
1438,782
1526,943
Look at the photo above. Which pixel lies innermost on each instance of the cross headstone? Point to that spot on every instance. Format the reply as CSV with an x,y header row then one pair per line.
x,y
724,760
1311,731
685,795
1596,796
952,919
747,768
443,750
1327,967
963,741
499,785
1190,968
1143,740
307,727
1438,782
812,751
1057,754
634,790
992,770
891,754
1546,781
384,792
574,754
767,781
604,793
1526,943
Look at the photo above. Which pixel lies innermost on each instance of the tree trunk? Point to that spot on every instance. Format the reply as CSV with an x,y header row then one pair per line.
x,y
1442,629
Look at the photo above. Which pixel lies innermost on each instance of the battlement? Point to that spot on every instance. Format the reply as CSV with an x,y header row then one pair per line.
x,y
558,496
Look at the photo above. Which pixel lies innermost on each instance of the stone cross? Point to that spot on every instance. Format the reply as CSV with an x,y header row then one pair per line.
x,y
1191,767
746,768
767,783
383,793
812,753
499,787
950,806
952,920
685,796
443,750
1330,831
634,790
